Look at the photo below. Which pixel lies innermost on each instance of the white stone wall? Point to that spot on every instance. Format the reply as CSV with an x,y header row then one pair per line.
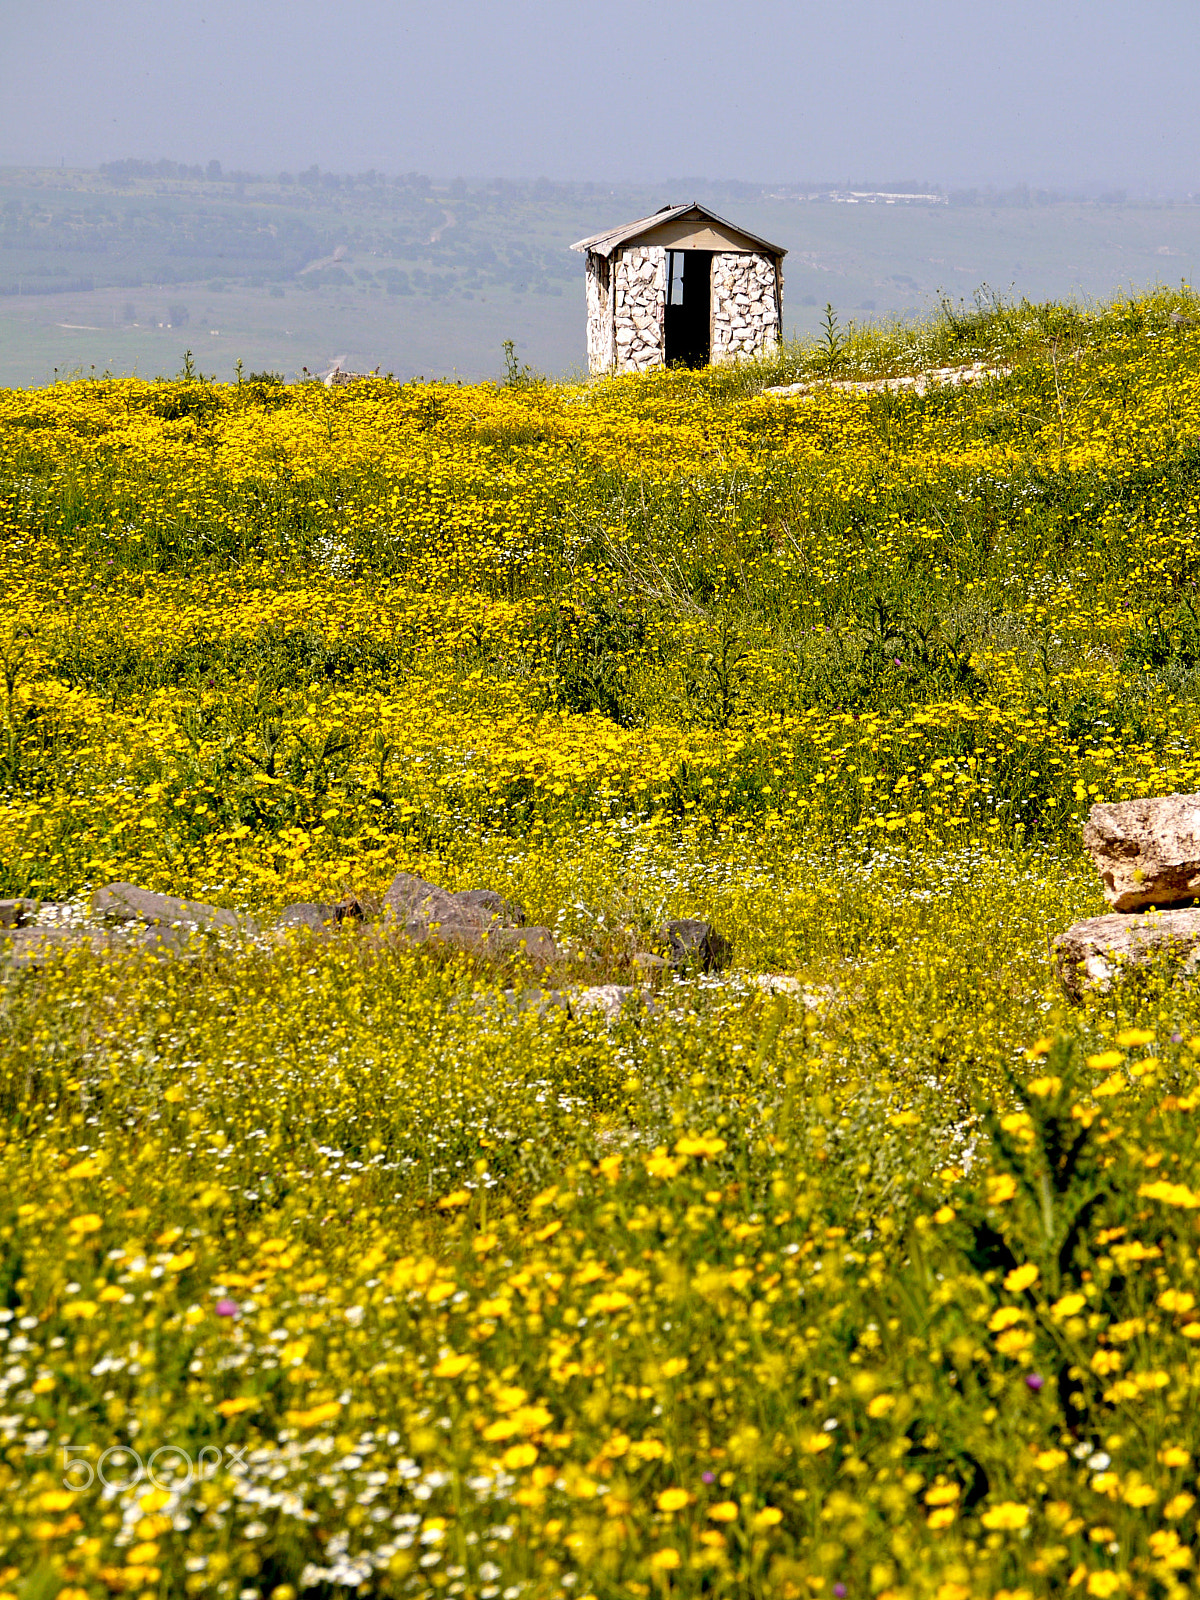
x,y
641,273
599,313
745,306
626,302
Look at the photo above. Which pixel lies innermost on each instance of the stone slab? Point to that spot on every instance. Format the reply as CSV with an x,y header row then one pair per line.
x,y
34,948
1092,954
126,902
319,915
537,945
607,1000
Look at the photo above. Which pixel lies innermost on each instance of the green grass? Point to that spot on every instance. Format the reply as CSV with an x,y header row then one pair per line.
x,y
868,1264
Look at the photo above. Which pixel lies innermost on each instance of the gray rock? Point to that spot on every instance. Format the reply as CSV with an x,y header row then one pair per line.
x,y
696,944
319,915
125,902
416,903
542,1002
1147,852
534,944
609,1000
1092,954
488,900
16,913
35,948
409,898
647,961
456,935
159,941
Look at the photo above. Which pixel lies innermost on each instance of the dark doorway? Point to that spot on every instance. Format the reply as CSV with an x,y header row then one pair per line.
x,y
689,305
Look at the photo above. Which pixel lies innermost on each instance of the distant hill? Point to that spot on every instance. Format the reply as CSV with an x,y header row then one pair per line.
x,y
120,268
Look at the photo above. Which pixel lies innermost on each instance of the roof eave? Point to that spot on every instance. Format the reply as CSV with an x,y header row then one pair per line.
x,y
604,244
610,239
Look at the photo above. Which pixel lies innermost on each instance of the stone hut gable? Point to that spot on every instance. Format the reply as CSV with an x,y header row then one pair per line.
x,y
682,285
690,227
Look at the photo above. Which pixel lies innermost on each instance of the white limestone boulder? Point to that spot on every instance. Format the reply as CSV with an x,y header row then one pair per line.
x,y
1094,953
1147,852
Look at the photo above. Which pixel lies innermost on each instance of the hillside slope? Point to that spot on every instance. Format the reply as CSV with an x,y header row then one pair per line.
x,y
863,1265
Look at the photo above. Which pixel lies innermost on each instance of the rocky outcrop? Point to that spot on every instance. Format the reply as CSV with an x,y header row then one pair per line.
x,y
34,948
125,902
319,916
478,920
1147,852
414,912
914,382
417,905
41,947
1093,953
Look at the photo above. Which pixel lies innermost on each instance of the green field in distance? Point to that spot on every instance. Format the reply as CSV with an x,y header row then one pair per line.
x,y
122,273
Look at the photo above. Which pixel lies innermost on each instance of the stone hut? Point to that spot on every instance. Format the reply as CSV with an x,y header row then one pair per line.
x,y
681,288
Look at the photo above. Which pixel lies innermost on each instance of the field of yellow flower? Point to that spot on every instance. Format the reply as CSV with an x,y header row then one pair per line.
x,y
865,1268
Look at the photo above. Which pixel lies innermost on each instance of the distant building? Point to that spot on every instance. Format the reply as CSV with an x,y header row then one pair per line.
x,y
681,288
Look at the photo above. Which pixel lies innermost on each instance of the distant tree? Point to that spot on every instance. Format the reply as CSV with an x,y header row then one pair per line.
x,y
177,316
213,171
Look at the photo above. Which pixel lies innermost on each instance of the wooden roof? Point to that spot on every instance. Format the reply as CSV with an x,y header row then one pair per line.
x,y
679,227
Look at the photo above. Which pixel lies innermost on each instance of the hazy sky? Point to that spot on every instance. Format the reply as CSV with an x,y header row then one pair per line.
x,y
1045,91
